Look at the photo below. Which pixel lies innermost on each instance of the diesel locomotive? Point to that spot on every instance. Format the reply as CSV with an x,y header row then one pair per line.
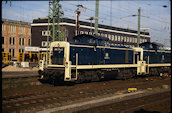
x,y
92,58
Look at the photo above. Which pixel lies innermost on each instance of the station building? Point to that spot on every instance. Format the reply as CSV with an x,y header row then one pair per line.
x,y
116,35
15,36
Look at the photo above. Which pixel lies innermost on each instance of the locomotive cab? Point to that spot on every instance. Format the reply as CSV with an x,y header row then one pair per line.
x,y
58,62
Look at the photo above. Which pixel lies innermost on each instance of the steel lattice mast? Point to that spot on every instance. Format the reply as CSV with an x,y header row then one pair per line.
x,y
53,29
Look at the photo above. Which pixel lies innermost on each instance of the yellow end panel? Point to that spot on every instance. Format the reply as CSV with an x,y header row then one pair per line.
x,y
141,68
67,63
67,76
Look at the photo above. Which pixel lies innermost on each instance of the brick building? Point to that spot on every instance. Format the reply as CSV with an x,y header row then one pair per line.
x,y
15,36
117,36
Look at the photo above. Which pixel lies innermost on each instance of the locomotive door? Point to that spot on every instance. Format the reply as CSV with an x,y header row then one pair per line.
x,y
102,54
137,57
97,57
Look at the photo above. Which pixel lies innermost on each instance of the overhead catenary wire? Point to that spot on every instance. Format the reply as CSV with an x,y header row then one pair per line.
x,y
163,28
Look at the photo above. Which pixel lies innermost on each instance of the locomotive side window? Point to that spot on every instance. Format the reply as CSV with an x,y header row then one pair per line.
x,y
76,40
100,43
107,43
92,41
151,47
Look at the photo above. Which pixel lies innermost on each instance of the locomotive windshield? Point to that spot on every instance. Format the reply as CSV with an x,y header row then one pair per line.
x,y
58,55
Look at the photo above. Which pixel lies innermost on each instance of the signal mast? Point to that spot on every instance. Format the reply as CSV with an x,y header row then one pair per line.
x,y
78,11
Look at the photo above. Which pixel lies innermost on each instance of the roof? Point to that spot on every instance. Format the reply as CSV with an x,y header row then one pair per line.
x,y
69,20
5,21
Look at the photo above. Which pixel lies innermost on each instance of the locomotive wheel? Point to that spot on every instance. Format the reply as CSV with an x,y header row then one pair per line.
x,y
95,76
87,76
157,71
126,74
80,78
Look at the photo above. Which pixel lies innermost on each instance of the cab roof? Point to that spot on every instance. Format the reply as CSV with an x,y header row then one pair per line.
x,y
90,36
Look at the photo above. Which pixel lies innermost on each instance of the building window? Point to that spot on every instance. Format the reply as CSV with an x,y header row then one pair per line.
x,y
29,42
2,40
135,40
143,40
118,38
115,37
10,40
105,35
109,36
23,30
3,27
44,43
9,50
81,32
122,39
146,40
10,27
20,30
13,52
13,40
19,41
127,39
101,34
29,31
43,33
130,39
90,33
48,43
112,37
14,28
23,41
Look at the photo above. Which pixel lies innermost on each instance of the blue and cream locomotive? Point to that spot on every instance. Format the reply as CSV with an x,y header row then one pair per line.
x,y
92,58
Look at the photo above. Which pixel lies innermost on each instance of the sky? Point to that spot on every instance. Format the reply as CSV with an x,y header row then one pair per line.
x,y
117,13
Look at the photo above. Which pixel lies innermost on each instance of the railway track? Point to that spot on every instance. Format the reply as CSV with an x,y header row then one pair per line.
x,y
46,89
19,79
63,94
132,104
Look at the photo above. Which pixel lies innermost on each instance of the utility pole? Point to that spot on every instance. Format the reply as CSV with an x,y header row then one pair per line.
x,y
90,18
48,29
96,17
78,11
111,13
58,22
138,31
54,32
